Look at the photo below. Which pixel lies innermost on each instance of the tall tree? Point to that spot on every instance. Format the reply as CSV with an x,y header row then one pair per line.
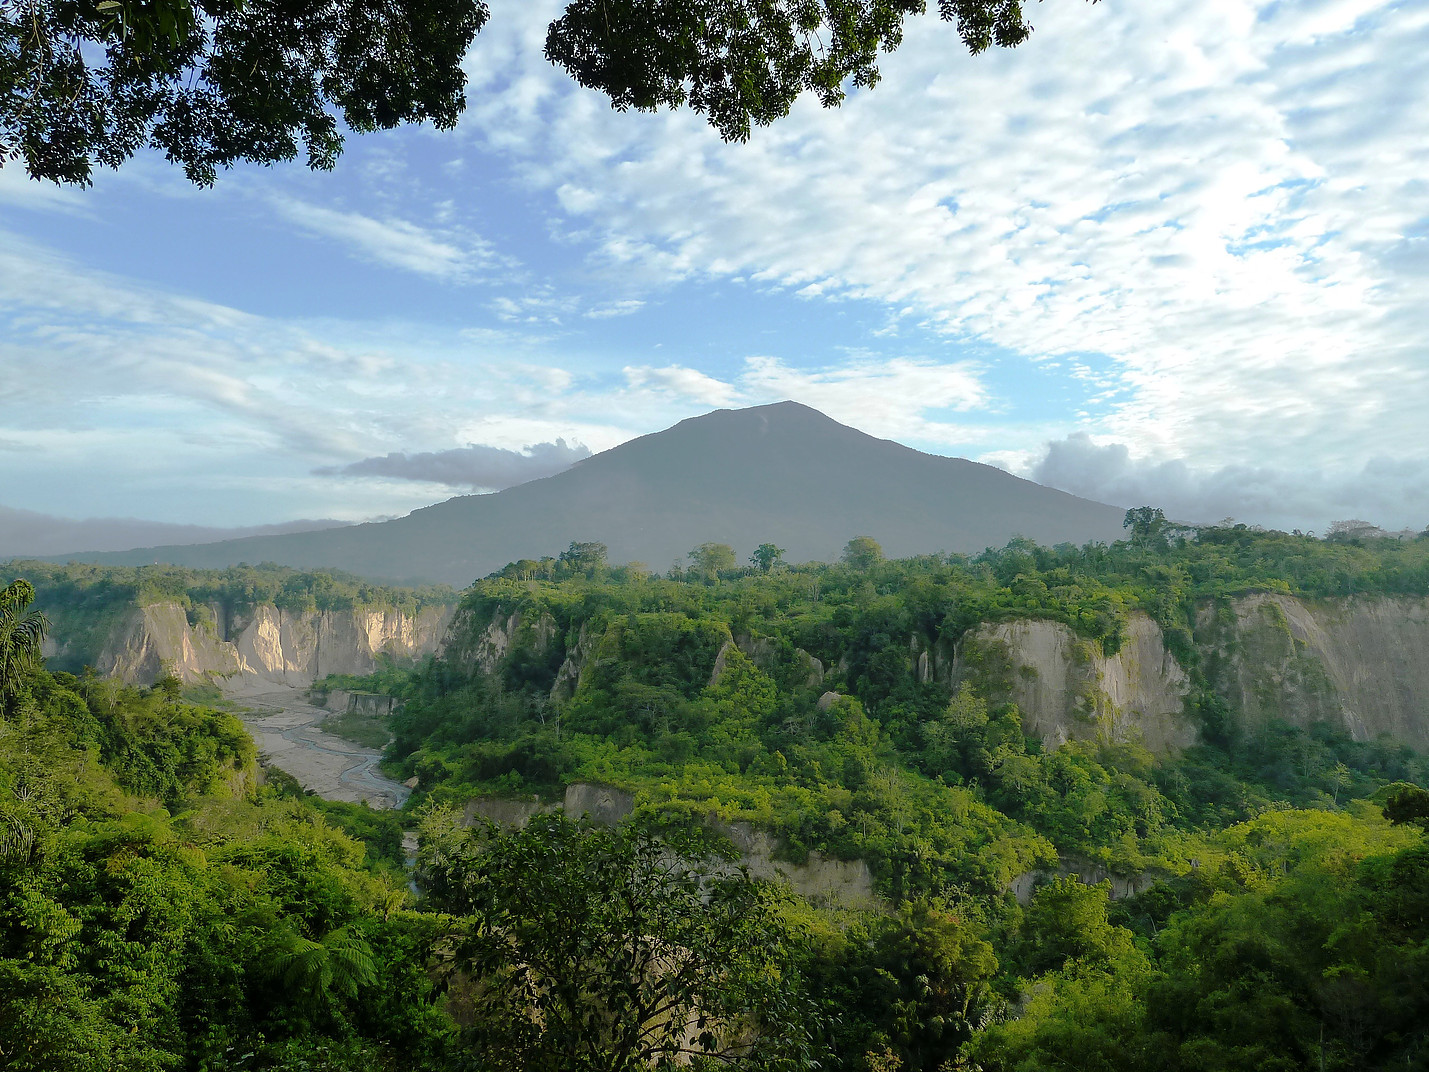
x,y
862,552
599,949
1148,527
22,635
583,557
710,558
766,556
213,82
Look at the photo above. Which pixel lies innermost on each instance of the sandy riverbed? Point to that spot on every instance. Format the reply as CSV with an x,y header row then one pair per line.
x,y
285,727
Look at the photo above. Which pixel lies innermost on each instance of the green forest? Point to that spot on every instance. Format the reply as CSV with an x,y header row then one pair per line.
x,y
166,904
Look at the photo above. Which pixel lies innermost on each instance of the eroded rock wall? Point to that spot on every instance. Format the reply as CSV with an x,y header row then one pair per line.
x,y
150,639
1088,873
480,643
1360,663
1066,689
822,880
370,704
265,643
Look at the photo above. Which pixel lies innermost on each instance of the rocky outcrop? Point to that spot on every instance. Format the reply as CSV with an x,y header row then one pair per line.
x,y
1361,664
568,677
1089,873
768,654
480,643
721,661
513,814
820,879
370,704
495,641
265,642
1066,689
600,803
935,661
812,667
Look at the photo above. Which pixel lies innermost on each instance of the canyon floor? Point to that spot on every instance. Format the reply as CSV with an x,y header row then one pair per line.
x,y
286,729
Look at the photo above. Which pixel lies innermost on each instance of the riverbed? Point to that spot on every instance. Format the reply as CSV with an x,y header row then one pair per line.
x,y
285,725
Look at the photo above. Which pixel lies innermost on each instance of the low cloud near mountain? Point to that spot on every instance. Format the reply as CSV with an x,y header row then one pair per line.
x,y
1264,494
473,466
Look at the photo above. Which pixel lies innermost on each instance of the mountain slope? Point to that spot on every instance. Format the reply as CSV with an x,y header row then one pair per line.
x,y
783,473
25,533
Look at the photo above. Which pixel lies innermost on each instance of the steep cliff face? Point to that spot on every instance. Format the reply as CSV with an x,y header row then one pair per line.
x,y
568,677
1066,689
148,639
479,643
1361,663
369,704
822,880
266,642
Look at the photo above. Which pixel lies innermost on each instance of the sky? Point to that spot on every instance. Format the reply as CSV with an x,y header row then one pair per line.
x,y
1163,253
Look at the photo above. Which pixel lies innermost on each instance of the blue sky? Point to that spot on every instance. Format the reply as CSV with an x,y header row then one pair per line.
x,y
1162,253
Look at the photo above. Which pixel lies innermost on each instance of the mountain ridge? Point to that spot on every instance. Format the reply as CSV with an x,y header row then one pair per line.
x,y
31,534
782,473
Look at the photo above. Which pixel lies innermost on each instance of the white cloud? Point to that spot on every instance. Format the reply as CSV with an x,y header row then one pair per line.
x,y
538,305
898,397
106,376
886,397
18,190
1215,210
682,383
558,417
615,308
443,255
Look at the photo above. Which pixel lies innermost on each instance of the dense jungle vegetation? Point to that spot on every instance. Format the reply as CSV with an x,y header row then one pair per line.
x,y
932,781
160,908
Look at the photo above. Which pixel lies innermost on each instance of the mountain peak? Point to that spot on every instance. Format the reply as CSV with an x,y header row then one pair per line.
x,y
787,410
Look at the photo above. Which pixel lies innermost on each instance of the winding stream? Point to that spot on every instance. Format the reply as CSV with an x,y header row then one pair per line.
x,y
285,727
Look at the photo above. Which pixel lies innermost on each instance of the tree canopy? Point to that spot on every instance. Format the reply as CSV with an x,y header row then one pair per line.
x,y
606,952
210,83
22,632
766,556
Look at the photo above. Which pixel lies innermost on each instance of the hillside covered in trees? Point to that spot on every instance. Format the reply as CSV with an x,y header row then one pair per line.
x,y
1269,879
